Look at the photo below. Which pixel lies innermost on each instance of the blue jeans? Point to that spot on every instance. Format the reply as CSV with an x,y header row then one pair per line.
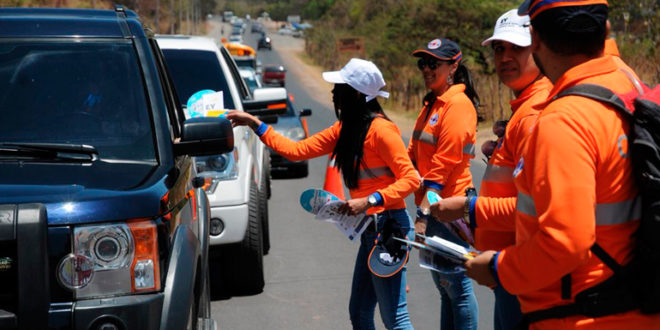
x,y
369,289
458,308
507,310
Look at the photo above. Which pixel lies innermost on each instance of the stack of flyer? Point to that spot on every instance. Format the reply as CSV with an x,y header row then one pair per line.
x,y
437,253
351,225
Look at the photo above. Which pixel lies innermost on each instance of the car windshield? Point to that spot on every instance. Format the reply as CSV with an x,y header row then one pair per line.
x,y
195,70
249,62
73,92
250,78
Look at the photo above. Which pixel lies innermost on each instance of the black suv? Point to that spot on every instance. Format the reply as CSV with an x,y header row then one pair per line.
x,y
103,222
265,42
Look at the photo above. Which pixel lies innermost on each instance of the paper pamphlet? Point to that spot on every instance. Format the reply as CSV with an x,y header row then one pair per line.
x,y
205,103
351,225
454,250
213,102
437,254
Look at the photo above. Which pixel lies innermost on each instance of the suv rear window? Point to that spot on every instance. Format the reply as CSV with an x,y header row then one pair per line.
x,y
67,91
195,70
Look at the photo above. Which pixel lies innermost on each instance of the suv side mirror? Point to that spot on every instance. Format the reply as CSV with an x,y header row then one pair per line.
x,y
266,101
203,136
305,112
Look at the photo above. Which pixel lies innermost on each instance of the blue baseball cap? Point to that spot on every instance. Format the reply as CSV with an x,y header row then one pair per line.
x,y
442,49
388,256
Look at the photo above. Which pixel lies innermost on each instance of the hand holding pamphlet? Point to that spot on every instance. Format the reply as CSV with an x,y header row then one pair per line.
x,y
459,227
351,225
326,206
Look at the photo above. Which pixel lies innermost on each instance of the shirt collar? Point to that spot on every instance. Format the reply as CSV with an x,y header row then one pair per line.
x,y
453,90
530,91
594,67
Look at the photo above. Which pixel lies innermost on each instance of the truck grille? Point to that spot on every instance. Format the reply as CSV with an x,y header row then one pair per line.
x,y
24,300
8,276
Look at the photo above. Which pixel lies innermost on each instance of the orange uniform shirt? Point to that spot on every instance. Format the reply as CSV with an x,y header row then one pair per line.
x,y
493,232
575,188
385,167
498,213
443,143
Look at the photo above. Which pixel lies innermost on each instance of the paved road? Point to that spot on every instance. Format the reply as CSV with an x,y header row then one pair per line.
x,y
309,269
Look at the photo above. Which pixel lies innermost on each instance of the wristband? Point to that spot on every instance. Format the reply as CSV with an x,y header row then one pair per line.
x,y
492,267
466,210
423,213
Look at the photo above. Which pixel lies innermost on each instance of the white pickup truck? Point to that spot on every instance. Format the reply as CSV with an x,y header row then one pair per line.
x,y
237,183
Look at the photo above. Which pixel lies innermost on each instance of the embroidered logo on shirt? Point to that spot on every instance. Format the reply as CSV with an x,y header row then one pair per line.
x,y
623,145
434,44
433,120
519,167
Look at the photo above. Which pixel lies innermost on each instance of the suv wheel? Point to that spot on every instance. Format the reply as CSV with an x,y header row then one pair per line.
x,y
246,270
264,195
200,308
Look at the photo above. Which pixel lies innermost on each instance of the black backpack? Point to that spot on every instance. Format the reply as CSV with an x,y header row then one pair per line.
x,y
637,284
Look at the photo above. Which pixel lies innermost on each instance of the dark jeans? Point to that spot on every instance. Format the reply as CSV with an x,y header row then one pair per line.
x,y
369,289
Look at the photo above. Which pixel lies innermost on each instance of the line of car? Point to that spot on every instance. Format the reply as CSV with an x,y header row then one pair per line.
x,y
293,123
116,203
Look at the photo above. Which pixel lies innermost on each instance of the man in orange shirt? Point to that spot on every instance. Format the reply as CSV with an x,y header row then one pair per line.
x,y
576,193
515,67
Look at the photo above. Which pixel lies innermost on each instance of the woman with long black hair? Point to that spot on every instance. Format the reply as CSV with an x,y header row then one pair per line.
x,y
441,148
375,166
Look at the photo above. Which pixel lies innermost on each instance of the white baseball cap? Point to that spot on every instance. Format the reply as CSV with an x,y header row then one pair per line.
x,y
360,74
512,28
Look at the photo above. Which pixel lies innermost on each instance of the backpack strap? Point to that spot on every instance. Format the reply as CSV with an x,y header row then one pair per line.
x,y
598,93
605,95
607,259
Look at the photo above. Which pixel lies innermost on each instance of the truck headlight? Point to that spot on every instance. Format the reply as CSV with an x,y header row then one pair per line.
x,y
112,259
217,168
293,133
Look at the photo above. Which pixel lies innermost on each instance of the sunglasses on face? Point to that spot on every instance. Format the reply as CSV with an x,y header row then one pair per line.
x,y
431,63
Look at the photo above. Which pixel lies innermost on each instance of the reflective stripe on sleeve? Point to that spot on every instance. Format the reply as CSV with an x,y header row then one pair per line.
x,y
469,149
619,212
501,174
606,213
370,173
525,204
425,137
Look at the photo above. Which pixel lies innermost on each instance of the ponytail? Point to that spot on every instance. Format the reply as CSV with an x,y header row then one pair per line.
x,y
462,76
355,117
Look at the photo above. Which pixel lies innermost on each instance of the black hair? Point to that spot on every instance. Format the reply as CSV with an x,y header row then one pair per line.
x,y
573,30
463,76
355,115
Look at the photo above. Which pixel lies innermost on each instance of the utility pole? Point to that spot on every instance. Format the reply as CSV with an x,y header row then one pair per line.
x,y
188,16
172,19
180,15
157,16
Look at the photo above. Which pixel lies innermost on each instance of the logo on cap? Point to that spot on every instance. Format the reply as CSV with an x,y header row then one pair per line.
x,y
434,44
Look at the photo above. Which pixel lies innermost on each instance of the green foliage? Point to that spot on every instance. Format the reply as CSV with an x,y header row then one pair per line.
x,y
392,29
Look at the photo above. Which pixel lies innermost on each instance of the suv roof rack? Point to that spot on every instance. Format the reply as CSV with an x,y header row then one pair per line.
x,y
121,17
